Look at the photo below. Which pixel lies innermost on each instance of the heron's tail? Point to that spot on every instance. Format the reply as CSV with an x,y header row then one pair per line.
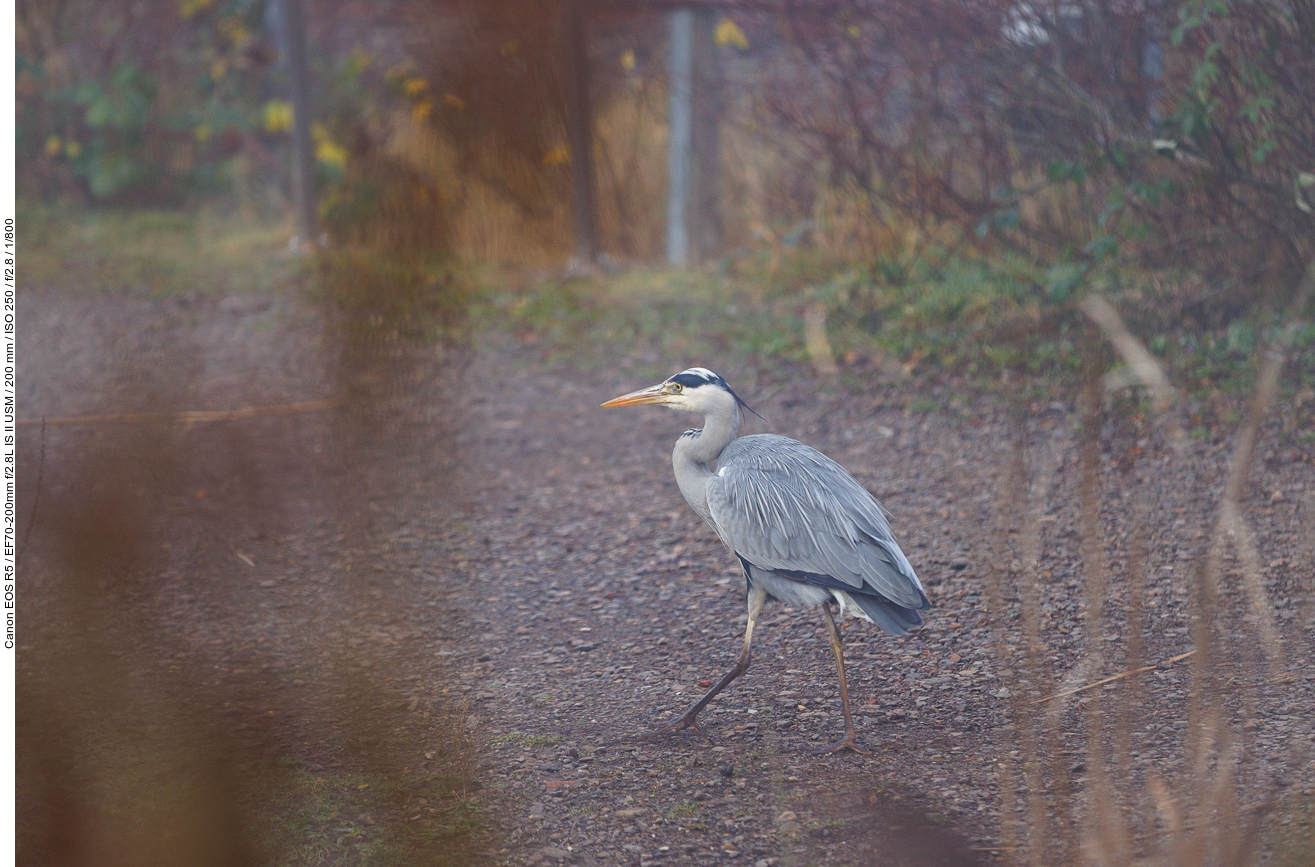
x,y
890,616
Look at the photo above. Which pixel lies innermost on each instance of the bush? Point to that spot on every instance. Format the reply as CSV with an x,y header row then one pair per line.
x,y
144,102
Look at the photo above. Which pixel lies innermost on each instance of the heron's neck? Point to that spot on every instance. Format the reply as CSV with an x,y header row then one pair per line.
x,y
695,450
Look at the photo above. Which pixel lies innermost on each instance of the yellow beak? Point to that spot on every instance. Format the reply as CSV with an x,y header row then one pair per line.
x,y
652,394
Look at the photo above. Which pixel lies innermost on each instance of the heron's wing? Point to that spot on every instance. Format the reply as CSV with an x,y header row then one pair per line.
x,y
789,508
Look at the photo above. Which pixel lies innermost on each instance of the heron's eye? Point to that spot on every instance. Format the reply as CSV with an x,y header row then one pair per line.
x,y
677,387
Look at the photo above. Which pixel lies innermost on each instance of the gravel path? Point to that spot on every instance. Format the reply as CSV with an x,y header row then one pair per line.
x,y
599,603
472,531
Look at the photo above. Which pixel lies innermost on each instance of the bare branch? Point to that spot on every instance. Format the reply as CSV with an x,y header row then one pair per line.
x,y
1131,350
1244,542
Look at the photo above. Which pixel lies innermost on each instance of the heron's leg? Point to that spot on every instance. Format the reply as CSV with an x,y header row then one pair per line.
x,y
850,740
757,596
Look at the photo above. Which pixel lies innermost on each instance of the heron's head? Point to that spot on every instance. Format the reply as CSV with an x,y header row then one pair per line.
x,y
695,390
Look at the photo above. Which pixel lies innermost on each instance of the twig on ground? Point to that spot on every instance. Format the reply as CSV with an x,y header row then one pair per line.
x,y
190,417
1170,661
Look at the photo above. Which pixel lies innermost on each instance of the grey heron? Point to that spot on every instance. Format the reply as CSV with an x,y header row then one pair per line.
x,y
805,532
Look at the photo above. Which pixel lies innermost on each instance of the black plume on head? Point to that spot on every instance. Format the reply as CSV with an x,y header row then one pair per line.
x,y
696,377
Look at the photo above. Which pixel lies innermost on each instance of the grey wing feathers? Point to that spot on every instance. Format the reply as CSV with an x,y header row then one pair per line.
x,y
786,507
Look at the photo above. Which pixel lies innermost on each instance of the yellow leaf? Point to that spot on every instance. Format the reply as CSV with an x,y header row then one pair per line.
x,y
453,101
218,68
331,153
72,149
854,31
628,59
277,116
423,109
728,32
53,146
202,133
188,8
415,86
558,156
235,31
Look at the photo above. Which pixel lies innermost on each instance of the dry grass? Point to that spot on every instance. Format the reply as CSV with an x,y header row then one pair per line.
x,y
1195,817
631,156
532,228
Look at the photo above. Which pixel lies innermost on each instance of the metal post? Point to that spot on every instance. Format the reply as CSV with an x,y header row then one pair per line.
x,y
704,229
680,147
580,134
303,174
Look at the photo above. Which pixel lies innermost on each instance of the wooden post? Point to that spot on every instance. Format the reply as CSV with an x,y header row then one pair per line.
x,y
303,178
680,138
580,133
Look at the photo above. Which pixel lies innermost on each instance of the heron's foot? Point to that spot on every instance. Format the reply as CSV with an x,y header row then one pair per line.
x,y
689,719
848,742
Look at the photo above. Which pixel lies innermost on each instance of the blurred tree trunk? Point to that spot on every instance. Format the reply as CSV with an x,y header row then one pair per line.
x,y
580,128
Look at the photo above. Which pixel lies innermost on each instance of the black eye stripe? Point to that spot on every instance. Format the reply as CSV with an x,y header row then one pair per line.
x,y
694,380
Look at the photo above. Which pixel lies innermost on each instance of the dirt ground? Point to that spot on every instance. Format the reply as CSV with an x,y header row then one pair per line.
x,y
469,532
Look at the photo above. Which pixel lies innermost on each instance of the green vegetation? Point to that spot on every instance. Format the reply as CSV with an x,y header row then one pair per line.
x,y
683,810
161,252
353,818
318,817
942,315
676,312
946,316
147,125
